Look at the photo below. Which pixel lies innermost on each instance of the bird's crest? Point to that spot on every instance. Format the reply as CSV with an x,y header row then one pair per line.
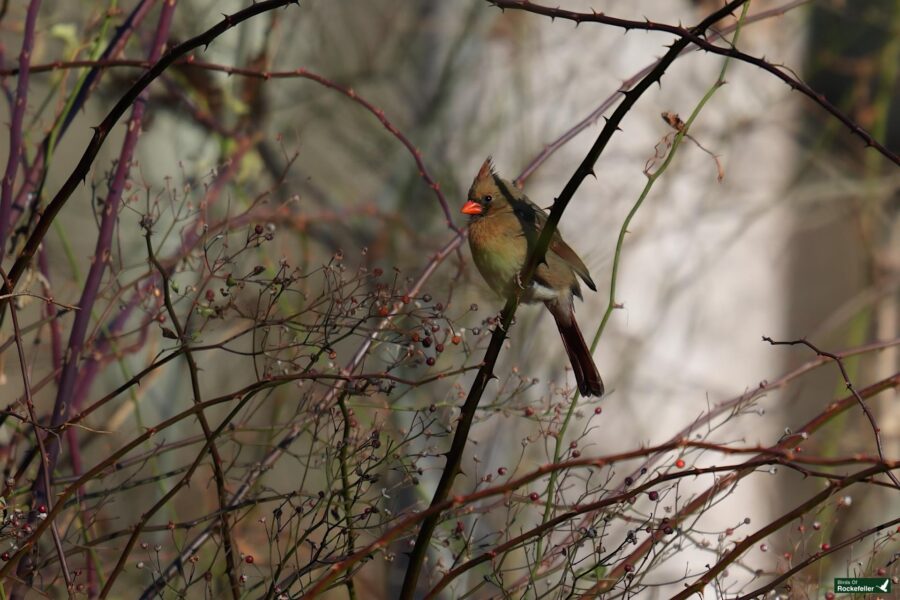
x,y
486,171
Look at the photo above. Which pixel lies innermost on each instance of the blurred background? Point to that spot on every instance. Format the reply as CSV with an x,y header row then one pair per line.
x,y
772,220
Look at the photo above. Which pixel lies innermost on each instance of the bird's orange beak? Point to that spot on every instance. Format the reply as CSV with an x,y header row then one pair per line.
x,y
471,208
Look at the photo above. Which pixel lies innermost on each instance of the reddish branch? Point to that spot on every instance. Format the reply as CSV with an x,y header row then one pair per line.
x,y
698,39
17,123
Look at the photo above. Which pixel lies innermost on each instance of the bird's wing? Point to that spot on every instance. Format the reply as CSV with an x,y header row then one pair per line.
x,y
534,218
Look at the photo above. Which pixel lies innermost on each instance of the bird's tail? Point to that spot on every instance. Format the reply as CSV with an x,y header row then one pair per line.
x,y
586,375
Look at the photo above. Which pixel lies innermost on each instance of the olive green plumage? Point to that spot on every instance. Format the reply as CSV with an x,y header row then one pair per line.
x,y
504,225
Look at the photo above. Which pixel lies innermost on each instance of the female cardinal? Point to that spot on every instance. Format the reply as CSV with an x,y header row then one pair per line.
x,y
504,226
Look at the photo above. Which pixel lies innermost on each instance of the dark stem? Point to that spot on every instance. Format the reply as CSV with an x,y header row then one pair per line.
x,y
218,474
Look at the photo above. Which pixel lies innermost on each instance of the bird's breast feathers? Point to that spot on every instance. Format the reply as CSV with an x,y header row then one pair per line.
x,y
499,254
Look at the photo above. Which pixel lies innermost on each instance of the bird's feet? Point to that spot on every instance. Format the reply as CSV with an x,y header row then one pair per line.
x,y
519,281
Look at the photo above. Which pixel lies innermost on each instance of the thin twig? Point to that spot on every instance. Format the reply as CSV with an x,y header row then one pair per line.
x,y
876,430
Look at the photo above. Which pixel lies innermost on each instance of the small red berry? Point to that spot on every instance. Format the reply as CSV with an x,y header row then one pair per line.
x,y
249,559
653,495
5,556
501,471
456,340
430,361
383,311
826,546
679,463
534,496
529,411
598,410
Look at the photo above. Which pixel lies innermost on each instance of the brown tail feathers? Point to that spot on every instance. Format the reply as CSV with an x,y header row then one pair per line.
x,y
589,382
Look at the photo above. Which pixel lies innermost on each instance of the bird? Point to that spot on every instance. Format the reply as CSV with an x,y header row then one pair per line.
x,y
504,226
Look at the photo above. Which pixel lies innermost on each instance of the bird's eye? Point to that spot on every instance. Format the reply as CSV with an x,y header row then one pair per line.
x,y
488,198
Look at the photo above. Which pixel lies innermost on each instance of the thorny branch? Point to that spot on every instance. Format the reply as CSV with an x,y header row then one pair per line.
x,y
698,39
